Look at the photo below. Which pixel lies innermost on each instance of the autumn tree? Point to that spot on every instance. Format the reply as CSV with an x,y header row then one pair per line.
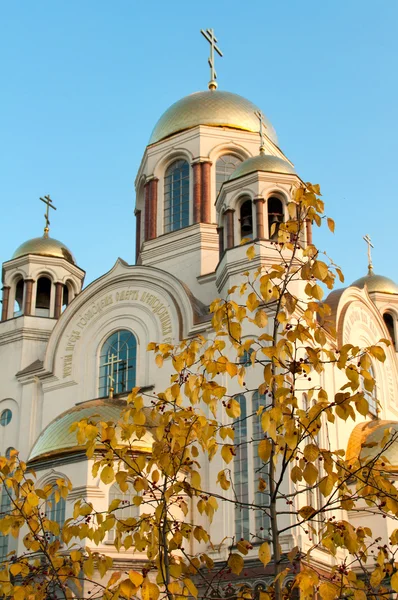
x,y
272,335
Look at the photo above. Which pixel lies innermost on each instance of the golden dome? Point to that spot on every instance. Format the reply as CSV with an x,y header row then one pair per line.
x,y
377,283
213,108
263,162
57,438
364,443
45,246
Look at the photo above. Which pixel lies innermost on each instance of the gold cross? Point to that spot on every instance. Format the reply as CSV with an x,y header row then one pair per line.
x,y
263,126
47,200
111,363
211,38
370,245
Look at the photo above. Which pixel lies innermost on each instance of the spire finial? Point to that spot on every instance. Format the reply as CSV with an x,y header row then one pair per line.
x,y
263,126
47,200
370,245
211,38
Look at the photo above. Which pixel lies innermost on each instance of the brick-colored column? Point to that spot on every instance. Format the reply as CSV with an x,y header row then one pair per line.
x,y
153,208
28,296
146,210
206,192
6,299
220,231
259,204
308,228
229,217
137,234
197,191
59,289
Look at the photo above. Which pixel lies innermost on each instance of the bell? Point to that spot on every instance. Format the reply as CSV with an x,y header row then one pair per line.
x,y
246,224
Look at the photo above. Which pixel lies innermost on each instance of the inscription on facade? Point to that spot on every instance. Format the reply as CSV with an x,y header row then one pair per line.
x,y
155,304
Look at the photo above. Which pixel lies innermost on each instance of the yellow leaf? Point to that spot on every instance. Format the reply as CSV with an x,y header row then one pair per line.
x,y
136,578
252,301
127,588
191,587
306,512
264,450
107,475
227,453
149,591
159,360
311,452
331,224
236,564
250,253
310,473
378,353
15,569
328,591
32,499
233,408
264,553
394,582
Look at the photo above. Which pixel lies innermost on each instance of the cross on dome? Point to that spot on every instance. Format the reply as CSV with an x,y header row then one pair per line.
x,y
211,38
263,126
47,200
370,245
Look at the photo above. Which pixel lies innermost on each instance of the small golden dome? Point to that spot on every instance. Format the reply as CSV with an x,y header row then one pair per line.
x,y
263,162
364,443
377,283
45,246
57,438
213,108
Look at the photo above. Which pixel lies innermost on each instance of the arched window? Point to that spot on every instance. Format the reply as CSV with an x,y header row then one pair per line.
x,y
275,216
389,321
241,473
118,363
248,469
18,306
126,510
43,297
65,297
260,468
176,196
55,511
246,220
5,417
225,166
5,506
370,394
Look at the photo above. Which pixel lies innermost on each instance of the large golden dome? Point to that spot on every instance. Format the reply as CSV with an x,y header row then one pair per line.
x,y
57,439
45,246
263,162
377,283
213,108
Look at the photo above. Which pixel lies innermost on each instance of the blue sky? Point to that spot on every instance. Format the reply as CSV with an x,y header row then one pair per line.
x,y
84,82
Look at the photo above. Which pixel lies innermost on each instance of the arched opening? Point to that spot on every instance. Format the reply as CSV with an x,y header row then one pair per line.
x,y
389,321
225,166
18,302
275,216
43,297
126,509
118,363
176,196
246,220
65,298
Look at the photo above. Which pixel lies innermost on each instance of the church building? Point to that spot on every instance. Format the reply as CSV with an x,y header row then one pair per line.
x,y
202,186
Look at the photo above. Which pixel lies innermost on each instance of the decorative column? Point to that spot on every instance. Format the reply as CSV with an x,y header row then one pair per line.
x,y
59,288
206,192
146,211
220,231
308,229
28,296
6,299
259,204
229,217
197,191
153,208
137,234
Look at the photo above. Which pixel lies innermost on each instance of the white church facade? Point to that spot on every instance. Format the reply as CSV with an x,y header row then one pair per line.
x,y
201,188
